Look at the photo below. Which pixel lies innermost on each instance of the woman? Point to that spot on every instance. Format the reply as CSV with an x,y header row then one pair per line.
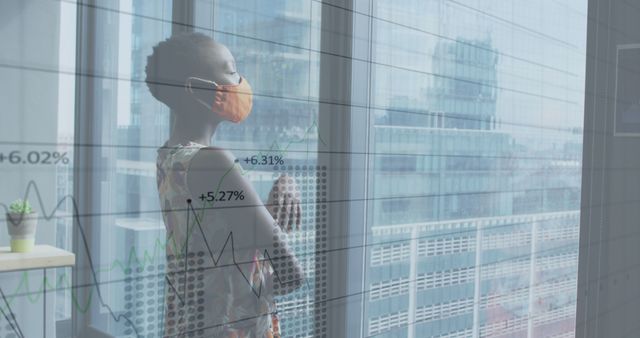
x,y
226,258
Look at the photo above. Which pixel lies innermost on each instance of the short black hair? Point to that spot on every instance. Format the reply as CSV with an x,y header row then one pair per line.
x,y
173,61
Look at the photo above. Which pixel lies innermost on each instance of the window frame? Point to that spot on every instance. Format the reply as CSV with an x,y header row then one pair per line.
x,y
347,128
85,130
346,117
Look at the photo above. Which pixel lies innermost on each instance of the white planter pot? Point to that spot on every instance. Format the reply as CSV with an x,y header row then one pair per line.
x,y
22,230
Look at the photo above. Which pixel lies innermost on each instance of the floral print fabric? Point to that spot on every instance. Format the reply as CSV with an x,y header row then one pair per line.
x,y
207,298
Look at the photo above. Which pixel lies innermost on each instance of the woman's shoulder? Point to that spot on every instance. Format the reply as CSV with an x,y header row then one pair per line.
x,y
210,164
212,157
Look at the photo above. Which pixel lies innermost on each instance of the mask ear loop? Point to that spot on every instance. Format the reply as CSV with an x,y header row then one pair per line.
x,y
190,78
189,89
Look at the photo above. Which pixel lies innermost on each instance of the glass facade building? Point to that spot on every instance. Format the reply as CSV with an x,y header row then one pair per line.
x,y
476,188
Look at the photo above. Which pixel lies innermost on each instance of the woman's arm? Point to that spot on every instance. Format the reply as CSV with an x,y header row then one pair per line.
x,y
213,170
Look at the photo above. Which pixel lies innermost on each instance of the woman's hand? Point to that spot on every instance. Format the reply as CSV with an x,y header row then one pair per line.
x,y
284,203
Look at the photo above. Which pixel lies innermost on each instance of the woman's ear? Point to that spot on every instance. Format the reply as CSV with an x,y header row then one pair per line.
x,y
201,90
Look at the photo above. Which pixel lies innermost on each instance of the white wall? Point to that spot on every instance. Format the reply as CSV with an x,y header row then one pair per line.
x,y
29,31
609,267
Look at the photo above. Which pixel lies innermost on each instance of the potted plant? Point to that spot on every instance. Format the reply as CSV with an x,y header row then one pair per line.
x,y
21,224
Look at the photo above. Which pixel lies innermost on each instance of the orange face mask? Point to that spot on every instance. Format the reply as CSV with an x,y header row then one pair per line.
x,y
231,102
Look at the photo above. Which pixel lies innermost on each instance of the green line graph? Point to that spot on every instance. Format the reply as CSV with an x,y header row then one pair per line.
x,y
135,260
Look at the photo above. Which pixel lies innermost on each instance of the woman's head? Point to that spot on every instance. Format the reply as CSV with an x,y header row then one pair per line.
x,y
185,70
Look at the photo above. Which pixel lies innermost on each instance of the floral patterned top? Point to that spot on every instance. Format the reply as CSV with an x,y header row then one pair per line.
x,y
213,296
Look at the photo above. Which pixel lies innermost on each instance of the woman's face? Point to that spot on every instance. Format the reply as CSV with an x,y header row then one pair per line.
x,y
221,66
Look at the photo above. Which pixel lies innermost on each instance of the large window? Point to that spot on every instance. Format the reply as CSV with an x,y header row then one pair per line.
x,y
474,191
437,145
275,45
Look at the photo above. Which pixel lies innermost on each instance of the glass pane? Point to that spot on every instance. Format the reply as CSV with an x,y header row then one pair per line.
x,y
477,144
275,46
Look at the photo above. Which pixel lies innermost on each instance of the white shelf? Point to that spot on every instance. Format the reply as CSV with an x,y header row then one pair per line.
x,y
42,257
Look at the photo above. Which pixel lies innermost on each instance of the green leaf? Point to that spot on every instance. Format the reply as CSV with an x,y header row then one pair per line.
x,y
20,206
